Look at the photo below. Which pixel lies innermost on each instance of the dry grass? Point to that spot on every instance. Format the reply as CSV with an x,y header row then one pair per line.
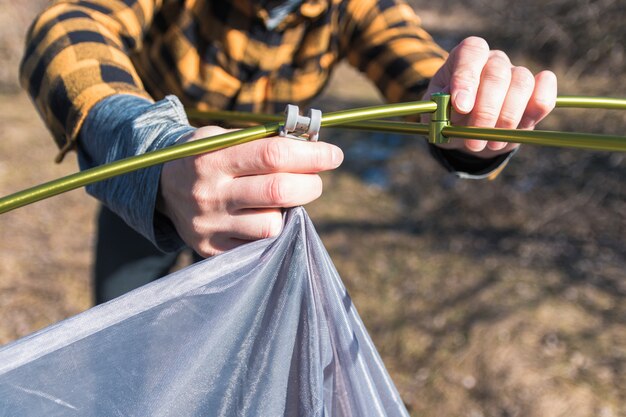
x,y
15,17
44,248
485,299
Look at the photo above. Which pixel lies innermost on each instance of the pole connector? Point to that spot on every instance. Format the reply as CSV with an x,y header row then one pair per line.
x,y
440,118
301,127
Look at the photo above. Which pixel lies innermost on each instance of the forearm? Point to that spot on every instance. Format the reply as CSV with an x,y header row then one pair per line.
x,y
121,126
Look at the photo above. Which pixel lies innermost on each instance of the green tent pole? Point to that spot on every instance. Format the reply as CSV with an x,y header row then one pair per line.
x,y
90,176
359,120
124,166
581,102
585,102
540,137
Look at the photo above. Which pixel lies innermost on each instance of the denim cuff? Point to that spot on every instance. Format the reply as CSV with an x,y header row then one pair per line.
x,y
122,126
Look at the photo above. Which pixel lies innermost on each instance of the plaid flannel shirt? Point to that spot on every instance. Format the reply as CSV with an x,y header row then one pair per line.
x,y
216,54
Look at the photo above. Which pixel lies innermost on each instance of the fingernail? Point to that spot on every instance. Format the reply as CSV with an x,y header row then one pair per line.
x,y
337,156
496,146
464,101
475,145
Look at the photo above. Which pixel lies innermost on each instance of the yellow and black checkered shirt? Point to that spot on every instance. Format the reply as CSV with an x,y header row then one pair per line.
x,y
216,54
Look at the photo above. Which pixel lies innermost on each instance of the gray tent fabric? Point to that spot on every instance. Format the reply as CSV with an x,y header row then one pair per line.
x,y
267,329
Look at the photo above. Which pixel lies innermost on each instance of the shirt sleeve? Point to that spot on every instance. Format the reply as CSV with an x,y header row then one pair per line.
x,y
77,53
122,126
470,167
384,39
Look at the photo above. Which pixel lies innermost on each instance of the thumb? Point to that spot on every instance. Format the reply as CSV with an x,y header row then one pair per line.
x,y
465,66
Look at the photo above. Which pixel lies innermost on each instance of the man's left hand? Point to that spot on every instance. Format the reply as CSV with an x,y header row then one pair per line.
x,y
488,91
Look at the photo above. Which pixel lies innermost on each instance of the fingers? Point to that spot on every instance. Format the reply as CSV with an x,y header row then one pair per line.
x,y
527,101
220,200
542,101
492,92
274,190
488,91
274,155
516,100
241,228
464,68
247,225
252,210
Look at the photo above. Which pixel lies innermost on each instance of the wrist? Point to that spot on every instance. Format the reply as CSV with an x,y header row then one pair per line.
x,y
120,127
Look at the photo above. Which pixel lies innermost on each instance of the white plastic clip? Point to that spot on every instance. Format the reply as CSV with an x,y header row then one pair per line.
x,y
296,126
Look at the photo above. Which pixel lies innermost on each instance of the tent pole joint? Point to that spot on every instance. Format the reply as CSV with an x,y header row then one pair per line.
x,y
439,119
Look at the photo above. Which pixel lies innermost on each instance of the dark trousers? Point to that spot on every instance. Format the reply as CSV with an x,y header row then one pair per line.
x,y
125,260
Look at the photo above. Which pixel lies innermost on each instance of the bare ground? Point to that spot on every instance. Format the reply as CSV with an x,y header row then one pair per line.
x,y
501,298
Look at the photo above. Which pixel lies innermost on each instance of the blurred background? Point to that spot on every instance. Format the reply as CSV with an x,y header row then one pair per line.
x,y
502,298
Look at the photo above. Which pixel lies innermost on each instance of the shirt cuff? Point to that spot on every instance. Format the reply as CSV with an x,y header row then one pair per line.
x,y
467,166
121,126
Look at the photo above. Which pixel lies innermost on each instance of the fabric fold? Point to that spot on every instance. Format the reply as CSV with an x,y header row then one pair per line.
x,y
267,329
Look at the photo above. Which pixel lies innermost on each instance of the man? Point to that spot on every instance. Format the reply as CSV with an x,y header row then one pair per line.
x,y
95,67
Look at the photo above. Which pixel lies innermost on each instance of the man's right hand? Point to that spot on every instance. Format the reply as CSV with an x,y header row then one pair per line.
x,y
223,199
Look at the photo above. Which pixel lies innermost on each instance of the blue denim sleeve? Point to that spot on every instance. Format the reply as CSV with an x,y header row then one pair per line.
x,y
121,126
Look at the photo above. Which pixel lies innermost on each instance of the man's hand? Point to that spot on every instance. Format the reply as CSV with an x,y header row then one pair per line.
x,y
223,199
488,91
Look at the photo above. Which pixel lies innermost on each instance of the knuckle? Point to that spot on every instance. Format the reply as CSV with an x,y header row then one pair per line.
x,y
522,78
544,106
204,248
325,157
317,187
201,197
497,71
202,164
509,119
322,157
198,227
197,166
499,55
466,77
485,115
206,201
475,43
273,154
276,192
271,227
